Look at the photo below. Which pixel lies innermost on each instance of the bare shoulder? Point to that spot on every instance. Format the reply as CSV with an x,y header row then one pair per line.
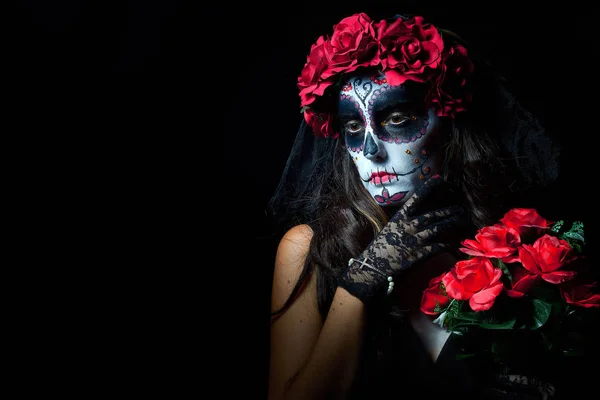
x,y
294,244
289,261
295,328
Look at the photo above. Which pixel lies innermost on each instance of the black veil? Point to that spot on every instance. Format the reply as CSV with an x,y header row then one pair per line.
x,y
303,179
529,151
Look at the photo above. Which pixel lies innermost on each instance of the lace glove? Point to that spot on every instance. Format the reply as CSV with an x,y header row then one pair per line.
x,y
404,241
521,387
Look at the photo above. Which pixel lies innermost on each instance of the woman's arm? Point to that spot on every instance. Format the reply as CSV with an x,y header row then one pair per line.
x,y
311,358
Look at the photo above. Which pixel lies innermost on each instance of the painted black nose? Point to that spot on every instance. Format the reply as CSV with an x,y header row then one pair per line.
x,y
371,147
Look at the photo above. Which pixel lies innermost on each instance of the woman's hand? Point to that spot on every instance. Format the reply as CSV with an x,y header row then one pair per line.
x,y
403,242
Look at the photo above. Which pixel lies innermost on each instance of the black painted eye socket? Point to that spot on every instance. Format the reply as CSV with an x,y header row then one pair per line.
x,y
353,128
397,119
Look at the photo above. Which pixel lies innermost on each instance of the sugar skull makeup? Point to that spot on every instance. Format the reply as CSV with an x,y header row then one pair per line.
x,y
390,136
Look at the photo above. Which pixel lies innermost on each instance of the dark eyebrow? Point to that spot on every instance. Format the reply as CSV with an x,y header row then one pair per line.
x,y
385,107
347,110
397,98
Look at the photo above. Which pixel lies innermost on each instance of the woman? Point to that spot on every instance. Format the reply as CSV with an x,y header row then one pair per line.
x,y
408,145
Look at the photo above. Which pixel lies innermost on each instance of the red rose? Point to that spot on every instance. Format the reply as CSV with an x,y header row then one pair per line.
x,y
403,50
546,257
353,45
581,293
451,92
434,296
494,241
522,281
310,81
525,221
476,280
321,123
410,49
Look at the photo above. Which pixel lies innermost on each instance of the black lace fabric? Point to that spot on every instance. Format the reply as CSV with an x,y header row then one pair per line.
x,y
406,239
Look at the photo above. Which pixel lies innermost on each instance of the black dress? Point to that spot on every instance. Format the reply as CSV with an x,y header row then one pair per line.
x,y
396,365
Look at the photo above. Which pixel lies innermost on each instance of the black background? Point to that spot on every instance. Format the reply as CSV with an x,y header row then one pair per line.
x,y
122,105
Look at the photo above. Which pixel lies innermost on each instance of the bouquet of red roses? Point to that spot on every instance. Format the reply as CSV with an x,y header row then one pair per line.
x,y
523,277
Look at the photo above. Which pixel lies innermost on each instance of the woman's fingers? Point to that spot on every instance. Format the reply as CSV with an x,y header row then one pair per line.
x,y
440,226
435,216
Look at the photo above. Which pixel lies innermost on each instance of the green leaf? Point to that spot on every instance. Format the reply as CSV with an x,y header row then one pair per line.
x,y
574,236
558,308
471,316
499,325
573,353
460,356
541,313
557,226
577,227
504,269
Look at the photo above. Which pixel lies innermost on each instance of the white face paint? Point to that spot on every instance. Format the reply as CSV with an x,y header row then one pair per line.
x,y
391,138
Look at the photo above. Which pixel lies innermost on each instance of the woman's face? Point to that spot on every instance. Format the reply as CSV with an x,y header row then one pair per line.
x,y
390,136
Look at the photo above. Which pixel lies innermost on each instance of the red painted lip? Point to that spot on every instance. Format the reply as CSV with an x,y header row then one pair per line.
x,y
381,177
